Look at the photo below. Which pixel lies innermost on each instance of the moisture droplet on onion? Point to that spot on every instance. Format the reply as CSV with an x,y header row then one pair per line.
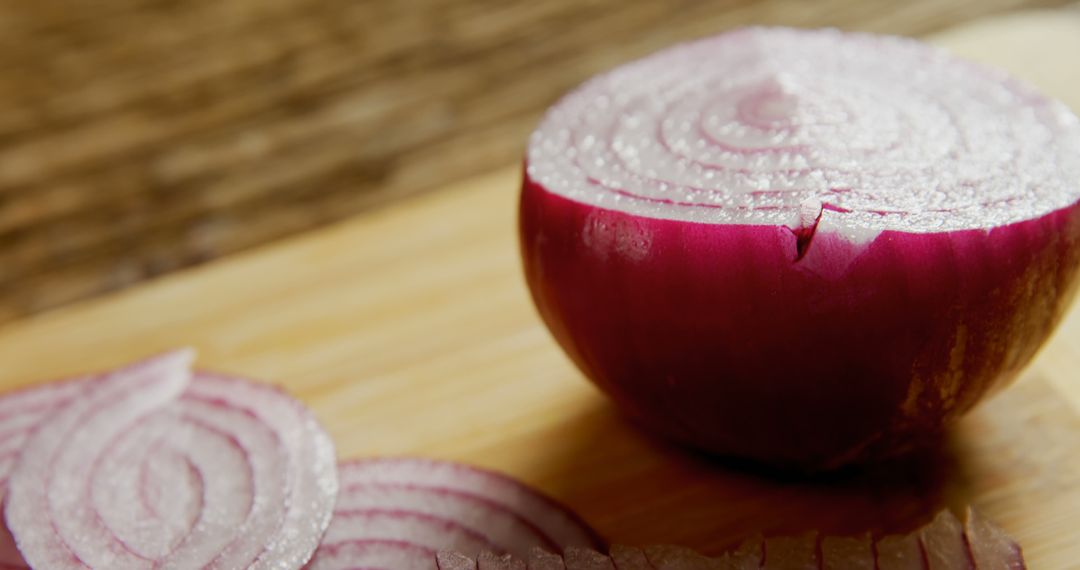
x,y
805,248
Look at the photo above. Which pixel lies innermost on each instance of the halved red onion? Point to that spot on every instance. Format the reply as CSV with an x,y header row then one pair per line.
x,y
802,247
515,516
938,545
232,474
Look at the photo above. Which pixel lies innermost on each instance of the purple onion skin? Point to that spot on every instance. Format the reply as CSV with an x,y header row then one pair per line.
x,y
718,337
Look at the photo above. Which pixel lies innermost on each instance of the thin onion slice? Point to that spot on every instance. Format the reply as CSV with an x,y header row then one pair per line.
x,y
45,506
506,529
21,412
288,537
421,529
232,474
938,545
991,548
558,524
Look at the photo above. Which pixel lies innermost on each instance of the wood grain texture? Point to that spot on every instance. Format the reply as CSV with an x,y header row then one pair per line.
x,y
141,136
409,330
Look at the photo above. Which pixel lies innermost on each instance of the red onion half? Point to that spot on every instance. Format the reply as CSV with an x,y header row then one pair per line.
x,y
802,247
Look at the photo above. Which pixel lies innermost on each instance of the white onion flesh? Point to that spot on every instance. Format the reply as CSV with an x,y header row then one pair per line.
x,y
154,468
560,525
758,125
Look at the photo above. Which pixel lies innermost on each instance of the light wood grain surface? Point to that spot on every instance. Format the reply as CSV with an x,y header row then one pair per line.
x,y
138,137
409,330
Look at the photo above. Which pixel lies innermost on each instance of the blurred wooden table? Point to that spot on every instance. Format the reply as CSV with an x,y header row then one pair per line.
x,y
142,136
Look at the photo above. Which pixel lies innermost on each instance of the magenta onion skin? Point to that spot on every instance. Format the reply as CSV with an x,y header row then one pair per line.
x,y
721,337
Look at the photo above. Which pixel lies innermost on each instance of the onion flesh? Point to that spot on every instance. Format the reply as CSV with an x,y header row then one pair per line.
x,y
443,506
44,505
537,516
508,530
155,468
20,414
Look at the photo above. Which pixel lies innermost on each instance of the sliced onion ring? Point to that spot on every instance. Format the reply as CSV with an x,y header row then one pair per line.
x,y
232,474
21,412
46,507
560,525
506,529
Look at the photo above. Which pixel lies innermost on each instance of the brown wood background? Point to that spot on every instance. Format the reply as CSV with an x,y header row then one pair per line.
x,y
142,136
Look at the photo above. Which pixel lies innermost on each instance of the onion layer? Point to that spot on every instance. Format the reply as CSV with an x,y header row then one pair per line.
x,y
152,468
429,506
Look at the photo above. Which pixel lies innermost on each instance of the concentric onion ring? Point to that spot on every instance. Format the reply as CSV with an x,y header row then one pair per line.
x,y
424,506
557,526
45,506
231,474
775,126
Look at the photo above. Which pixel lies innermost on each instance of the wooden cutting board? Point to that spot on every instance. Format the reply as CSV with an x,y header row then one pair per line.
x,y
409,331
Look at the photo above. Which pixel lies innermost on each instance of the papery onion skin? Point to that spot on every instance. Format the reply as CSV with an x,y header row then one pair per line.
x,y
716,336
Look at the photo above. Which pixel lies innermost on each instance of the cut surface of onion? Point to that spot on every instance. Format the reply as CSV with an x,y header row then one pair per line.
x,y
45,505
778,126
443,506
806,248
515,516
506,529
176,471
21,412
934,546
